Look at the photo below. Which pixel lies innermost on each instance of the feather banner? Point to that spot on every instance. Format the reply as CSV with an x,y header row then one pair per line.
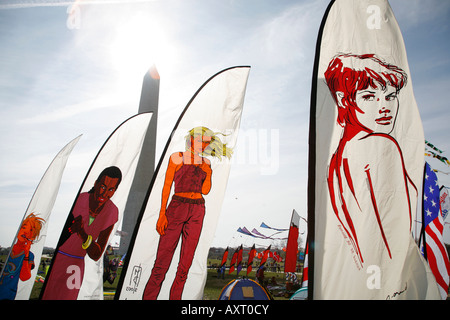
x,y
264,257
233,261
196,161
18,275
76,271
224,258
365,160
290,264
251,256
239,260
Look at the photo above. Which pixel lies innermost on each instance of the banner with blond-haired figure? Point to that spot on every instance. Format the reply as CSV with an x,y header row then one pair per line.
x,y
366,160
167,258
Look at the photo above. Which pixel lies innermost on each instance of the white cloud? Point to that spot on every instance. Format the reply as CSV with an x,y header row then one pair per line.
x,y
65,112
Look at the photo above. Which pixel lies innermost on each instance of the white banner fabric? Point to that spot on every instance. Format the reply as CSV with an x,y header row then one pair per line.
x,y
369,160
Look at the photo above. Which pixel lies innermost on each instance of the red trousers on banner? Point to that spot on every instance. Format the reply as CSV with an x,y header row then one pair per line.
x,y
185,220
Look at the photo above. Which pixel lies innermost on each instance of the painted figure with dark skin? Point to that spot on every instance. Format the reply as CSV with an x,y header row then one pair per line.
x,y
92,220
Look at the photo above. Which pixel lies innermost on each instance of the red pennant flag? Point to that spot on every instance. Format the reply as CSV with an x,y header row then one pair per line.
x,y
251,255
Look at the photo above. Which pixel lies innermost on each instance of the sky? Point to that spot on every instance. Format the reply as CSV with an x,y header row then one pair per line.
x,y
71,68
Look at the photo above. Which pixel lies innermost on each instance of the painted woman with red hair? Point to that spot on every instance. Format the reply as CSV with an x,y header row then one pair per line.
x,y
368,183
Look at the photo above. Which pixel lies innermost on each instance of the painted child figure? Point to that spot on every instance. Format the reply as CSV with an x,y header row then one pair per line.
x,y
21,259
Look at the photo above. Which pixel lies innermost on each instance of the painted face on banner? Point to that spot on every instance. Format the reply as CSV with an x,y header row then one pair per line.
x,y
104,189
378,107
199,143
25,233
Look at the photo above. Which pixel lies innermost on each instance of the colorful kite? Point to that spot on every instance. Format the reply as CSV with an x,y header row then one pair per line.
x,y
366,160
18,275
196,161
437,156
432,146
256,234
245,231
76,271
263,225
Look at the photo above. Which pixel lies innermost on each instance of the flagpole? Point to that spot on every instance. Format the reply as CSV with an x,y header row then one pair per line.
x,y
422,232
146,165
312,158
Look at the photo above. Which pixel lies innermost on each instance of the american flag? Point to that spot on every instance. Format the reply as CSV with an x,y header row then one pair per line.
x,y
122,260
435,252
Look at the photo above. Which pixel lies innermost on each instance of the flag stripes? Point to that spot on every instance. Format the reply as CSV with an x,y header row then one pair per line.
x,y
435,252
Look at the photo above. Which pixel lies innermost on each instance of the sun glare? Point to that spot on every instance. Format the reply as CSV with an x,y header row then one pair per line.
x,y
139,44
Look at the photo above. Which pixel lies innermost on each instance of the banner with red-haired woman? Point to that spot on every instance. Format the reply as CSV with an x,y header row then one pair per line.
x,y
366,160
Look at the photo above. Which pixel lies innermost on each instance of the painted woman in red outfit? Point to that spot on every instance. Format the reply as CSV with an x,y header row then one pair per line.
x,y
367,172
190,172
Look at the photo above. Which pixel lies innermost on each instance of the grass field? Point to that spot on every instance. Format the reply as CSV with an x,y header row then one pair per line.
x,y
213,287
215,284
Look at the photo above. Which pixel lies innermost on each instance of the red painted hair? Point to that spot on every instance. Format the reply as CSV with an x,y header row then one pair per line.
x,y
349,73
